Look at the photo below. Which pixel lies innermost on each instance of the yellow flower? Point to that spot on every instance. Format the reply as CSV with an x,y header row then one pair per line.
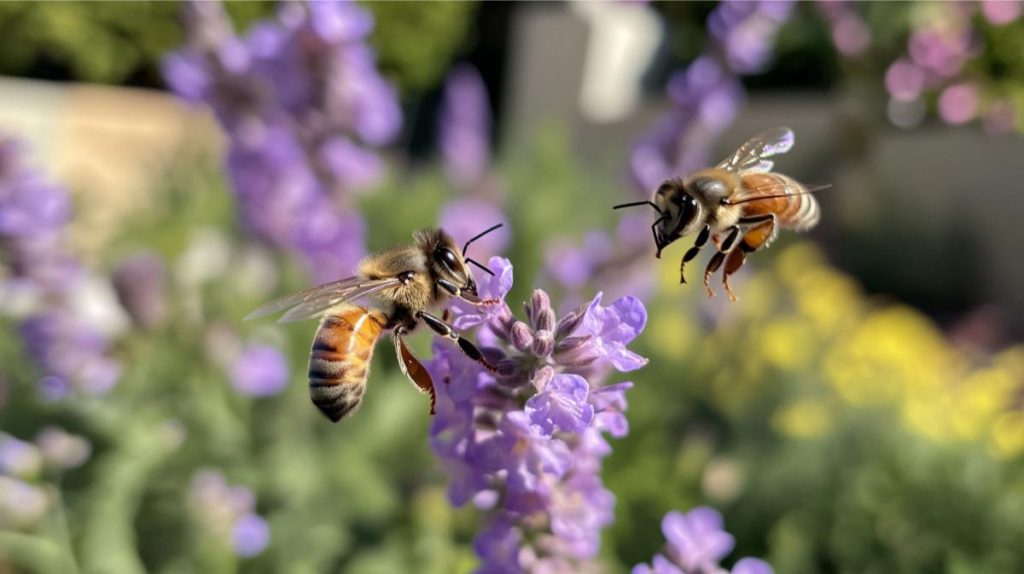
x,y
805,418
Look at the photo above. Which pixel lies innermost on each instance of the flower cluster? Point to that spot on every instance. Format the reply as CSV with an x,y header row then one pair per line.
x,y
697,541
939,53
303,105
43,282
228,513
707,94
23,502
525,443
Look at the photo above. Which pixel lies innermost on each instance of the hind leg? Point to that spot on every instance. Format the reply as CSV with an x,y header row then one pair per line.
x,y
755,238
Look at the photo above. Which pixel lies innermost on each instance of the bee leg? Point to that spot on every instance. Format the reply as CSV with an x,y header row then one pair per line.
x,y
459,292
713,265
732,263
702,238
657,240
755,237
449,332
413,369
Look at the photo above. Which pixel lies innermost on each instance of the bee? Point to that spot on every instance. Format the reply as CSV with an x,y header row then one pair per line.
x,y
739,204
401,284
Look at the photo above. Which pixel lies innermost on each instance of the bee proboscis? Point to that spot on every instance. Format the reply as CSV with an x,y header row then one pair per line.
x,y
401,284
740,204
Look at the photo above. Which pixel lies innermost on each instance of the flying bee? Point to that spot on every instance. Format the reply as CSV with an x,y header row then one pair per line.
x,y
739,204
401,284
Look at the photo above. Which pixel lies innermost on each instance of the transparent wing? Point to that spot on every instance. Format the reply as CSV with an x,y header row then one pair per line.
x,y
750,158
314,301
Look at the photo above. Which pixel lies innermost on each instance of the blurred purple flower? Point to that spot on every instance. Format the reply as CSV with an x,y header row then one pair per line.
x,y
259,371
1000,12
19,458
33,215
465,218
303,105
958,104
904,80
250,535
228,512
22,505
707,94
464,125
526,443
141,285
62,450
697,541
850,33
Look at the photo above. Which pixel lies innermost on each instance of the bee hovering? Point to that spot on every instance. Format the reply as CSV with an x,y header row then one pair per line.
x,y
401,283
739,204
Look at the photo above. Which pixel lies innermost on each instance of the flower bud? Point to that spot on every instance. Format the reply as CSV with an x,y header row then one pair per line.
x,y
522,339
539,311
570,344
569,323
543,343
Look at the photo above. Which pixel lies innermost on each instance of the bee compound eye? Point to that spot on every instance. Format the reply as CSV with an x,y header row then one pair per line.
x,y
447,258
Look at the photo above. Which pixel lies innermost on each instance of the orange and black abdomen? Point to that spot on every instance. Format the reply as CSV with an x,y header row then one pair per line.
x,y
339,362
793,207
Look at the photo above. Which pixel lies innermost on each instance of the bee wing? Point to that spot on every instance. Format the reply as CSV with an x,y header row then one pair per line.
x,y
415,371
769,186
314,301
750,157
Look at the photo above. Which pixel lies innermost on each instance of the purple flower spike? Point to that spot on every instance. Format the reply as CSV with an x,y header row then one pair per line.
x,y
526,444
465,127
304,107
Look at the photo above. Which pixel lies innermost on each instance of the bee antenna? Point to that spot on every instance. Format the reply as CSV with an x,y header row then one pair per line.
x,y
478,236
636,203
478,264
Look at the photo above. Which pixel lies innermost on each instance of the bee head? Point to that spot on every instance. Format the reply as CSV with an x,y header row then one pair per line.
x,y
444,258
681,213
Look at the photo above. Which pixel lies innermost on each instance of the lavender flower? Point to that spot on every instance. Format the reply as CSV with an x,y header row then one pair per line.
x,y
259,371
697,542
70,350
303,106
464,125
227,512
525,444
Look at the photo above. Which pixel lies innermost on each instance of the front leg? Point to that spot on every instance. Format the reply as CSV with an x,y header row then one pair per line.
x,y
460,293
449,332
702,238
719,257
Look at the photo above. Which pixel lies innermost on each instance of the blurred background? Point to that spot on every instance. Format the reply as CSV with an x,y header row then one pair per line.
x,y
167,167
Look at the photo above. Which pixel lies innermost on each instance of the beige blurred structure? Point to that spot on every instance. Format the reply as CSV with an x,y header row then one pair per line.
x,y
110,146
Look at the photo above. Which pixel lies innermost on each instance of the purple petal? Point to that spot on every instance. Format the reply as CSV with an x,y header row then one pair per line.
x,y
752,566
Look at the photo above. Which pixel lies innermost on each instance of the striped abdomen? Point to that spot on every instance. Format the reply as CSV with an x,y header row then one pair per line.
x,y
792,210
339,362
